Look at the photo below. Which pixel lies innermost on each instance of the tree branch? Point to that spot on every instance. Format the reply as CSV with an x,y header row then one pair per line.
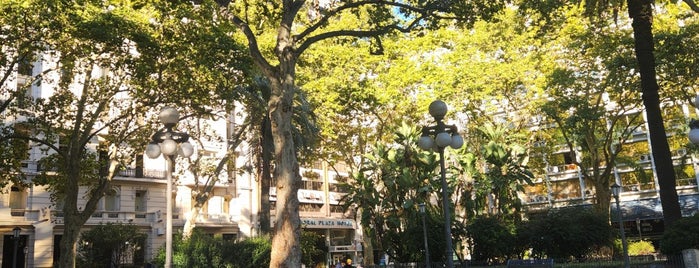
x,y
692,5
324,19
255,53
354,33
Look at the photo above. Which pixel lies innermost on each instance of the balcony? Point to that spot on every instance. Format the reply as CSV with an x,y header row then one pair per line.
x,y
214,219
117,216
21,214
147,173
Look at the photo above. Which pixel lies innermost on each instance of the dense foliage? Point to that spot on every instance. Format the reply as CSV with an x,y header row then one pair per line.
x,y
205,250
684,234
111,245
313,248
566,233
492,240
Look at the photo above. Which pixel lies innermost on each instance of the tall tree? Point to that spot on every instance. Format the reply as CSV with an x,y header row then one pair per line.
x,y
195,63
80,102
297,25
594,113
641,12
107,67
22,35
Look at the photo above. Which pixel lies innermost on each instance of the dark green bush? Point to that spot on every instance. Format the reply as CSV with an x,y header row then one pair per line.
x,y
205,250
108,245
568,232
313,248
492,240
249,253
683,234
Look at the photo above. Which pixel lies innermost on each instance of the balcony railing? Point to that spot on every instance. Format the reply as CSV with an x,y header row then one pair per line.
x,y
118,216
147,173
214,218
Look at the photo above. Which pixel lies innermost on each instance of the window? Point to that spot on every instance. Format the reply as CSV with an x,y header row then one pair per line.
x,y
140,203
341,237
18,201
112,202
25,66
215,205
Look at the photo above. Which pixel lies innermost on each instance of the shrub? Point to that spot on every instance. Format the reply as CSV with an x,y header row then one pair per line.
x,y
111,245
568,232
204,250
492,240
249,253
313,248
642,247
683,234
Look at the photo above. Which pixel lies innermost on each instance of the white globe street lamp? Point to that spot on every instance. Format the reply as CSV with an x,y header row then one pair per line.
x,y
439,137
169,143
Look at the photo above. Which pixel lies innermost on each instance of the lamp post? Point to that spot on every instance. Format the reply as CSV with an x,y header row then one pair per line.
x,y
169,143
424,235
15,236
638,227
444,135
616,190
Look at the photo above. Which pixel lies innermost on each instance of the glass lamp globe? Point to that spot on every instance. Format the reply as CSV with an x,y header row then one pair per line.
x,y
694,135
443,139
456,141
169,116
186,149
168,147
425,142
438,109
153,150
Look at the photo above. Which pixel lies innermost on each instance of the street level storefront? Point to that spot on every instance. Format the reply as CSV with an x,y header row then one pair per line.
x,y
340,235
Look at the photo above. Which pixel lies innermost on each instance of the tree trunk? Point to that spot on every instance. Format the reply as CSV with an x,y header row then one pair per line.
x,y
265,176
286,251
191,222
641,12
73,220
368,249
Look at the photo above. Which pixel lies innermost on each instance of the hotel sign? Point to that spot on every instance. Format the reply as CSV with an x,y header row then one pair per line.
x,y
327,223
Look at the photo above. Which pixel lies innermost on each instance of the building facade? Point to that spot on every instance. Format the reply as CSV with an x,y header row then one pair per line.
x,y
138,197
563,185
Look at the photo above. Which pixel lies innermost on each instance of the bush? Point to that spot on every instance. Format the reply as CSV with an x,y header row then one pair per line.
x,y
683,234
313,248
568,232
492,240
642,247
249,253
204,250
111,245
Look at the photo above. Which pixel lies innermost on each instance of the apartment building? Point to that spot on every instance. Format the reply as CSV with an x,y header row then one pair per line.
x,y
563,185
321,212
138,197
